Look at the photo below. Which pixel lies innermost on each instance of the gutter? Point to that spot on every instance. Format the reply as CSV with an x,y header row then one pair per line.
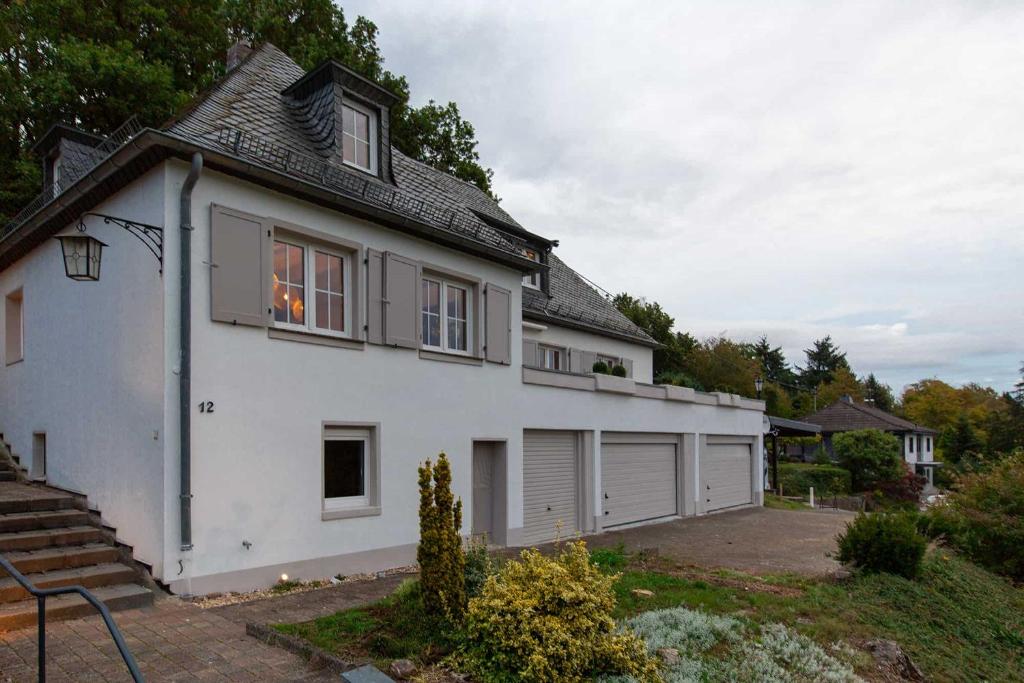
x,y
185,349
530,314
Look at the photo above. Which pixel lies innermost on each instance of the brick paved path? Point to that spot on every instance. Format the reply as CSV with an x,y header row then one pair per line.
x,y
178,641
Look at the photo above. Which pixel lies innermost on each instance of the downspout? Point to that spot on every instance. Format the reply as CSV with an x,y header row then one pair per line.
x,y
185,349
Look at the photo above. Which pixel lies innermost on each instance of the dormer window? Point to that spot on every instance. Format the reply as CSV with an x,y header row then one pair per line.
x,y
359,137
532,280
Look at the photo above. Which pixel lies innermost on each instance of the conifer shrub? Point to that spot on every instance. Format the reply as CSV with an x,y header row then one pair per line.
x,y
440,554
619,370
600,368
883,542
544,620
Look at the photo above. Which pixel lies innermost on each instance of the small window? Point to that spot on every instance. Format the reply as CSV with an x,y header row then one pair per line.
x,y
39,455
347,455
295,266
551,358
910,447
358,137
532,280
928,444
445,316
56,172
14,328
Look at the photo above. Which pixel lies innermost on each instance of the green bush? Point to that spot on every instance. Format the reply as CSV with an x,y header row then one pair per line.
x,y
827,480
479,566
440,554
619,370
871,456
883,542
545,619
984,516
600,368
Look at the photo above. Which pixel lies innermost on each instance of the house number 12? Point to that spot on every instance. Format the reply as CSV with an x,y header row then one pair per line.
x,y
206,406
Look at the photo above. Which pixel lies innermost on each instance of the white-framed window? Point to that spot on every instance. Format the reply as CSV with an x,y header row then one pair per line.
x,y
552,358
311,288
610,361
359,137
928,444
55,171
14,327
532,280
910,445
347,468
445,315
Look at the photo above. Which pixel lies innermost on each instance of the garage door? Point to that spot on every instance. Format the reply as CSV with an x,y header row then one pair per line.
x,y
549,485
638,482
725,475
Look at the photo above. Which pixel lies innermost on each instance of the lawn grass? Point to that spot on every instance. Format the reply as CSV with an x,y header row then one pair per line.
x,y
393,628
779,503
958,622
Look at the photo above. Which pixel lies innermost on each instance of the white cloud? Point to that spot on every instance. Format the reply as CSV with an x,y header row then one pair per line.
x,y
797,169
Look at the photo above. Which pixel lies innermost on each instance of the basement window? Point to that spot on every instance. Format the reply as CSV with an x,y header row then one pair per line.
x,y
350,467
14,328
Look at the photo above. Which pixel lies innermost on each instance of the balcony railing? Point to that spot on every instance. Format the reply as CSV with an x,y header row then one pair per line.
x,y
72,169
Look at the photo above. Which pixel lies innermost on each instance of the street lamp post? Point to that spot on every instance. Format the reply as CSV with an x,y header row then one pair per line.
x,y
759,385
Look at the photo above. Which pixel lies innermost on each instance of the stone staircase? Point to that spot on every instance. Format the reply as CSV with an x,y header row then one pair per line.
x,y
54,540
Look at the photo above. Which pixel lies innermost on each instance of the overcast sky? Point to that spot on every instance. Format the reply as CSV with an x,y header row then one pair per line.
x,y
795,170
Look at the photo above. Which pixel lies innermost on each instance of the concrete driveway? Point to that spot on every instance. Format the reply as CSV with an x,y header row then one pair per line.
x,y
755,540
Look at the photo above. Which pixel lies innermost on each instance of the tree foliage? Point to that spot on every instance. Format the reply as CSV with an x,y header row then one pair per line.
x,y
823,359
773,361
878,394
94,65
670,359
872,456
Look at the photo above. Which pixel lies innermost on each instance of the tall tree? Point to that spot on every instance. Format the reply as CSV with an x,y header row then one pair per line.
x,y
95,64
932,403
823,359
880,395
843,383
1018,388
773,361
959,440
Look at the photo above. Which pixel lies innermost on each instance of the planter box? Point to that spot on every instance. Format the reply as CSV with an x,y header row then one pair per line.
x,y
615,385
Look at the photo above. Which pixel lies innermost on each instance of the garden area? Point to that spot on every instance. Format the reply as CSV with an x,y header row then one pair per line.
x,y
930,596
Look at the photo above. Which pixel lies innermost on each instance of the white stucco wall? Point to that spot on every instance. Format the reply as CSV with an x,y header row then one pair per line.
x,y
642,356
257,458
927,448
91,377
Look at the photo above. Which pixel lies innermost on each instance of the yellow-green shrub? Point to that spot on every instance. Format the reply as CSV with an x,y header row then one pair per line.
x,y
440,555
549,619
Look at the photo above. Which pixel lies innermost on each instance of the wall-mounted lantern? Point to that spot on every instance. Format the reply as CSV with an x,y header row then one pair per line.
x,y
758,385
83,253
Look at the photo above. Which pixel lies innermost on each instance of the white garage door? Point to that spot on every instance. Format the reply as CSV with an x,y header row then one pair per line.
x,y
725,475
549,485
638,482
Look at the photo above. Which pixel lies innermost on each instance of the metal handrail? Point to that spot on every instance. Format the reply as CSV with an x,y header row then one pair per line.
x,y
42,593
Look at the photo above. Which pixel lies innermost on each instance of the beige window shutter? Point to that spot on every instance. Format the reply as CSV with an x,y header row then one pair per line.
x,y
241,268
401,301
530,353
498,325
628,364
374,296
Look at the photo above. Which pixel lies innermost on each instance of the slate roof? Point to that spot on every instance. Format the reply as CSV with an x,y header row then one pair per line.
x,y
847,415
249,99
577,303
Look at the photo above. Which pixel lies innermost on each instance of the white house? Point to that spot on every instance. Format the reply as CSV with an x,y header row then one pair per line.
x,y
247,391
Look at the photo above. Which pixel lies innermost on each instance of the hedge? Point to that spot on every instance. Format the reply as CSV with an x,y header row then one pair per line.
x,y
827,480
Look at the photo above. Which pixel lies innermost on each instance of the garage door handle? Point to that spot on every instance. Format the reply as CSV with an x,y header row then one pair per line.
x,y
606,496
606,512
549,508
707,486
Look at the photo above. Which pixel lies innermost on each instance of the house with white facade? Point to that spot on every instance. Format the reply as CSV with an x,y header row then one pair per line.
x,y
259,319
846,414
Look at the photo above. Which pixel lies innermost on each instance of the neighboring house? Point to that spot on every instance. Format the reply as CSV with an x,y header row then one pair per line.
x,y
330,313
846,415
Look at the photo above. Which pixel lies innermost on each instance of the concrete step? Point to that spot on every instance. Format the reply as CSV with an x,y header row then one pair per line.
x,y
45,538
23,614
40,500
8,475
89,577
67,557
46,519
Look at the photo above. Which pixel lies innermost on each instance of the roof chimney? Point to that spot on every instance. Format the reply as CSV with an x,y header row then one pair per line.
x,y
238,52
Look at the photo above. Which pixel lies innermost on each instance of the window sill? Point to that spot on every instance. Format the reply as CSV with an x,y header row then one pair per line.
x,y
369,511
15,362
445,357
316,339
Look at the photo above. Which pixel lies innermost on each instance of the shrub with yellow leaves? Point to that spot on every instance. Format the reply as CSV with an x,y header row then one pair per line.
x,y
549,619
